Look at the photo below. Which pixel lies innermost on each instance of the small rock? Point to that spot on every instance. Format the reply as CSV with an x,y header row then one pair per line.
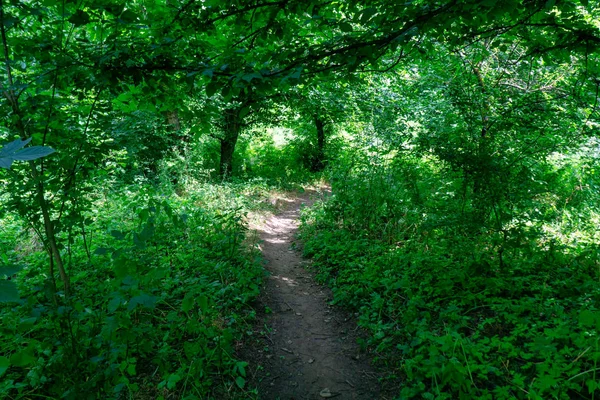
x,y
326,393
311,360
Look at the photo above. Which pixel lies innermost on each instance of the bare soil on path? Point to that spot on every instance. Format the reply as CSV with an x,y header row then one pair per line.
x,y
309,348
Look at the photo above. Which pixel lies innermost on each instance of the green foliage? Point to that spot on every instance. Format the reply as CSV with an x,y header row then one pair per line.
x,y
156,306
469,168
14,151
279,155
459,309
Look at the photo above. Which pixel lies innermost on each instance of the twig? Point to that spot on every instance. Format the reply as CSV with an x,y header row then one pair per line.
x,y
287,304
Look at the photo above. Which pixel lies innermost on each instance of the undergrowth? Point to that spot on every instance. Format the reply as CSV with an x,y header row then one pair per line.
x,y
161,293
458,307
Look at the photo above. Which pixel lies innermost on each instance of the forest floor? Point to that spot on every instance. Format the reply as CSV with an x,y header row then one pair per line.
x,y
308,349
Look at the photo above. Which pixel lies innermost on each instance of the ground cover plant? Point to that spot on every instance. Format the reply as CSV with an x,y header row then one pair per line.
x,y
159,297
464,308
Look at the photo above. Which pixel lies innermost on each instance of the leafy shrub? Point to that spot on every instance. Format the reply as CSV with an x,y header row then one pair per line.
x,y
157,305
459,309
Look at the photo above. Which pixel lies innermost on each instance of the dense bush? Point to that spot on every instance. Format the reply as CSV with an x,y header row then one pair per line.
x,y
160,293
456,306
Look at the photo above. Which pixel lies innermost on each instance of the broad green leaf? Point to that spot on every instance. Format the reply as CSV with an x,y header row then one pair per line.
x,y
143,300
23,358
297,73
4,364
188,302
8,291
346,27
26,324
11,152
241,382
113,304
12,147
79,18
203,303
367,14
6,162
243,112
117,234
9,270
588,318
212,88
128,16
33,153
172,381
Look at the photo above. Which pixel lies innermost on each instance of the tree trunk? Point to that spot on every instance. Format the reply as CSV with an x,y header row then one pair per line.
x,y
51,240
319,163
228,142
174,124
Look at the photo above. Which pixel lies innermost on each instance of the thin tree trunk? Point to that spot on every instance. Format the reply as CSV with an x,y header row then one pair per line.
x,y
37,177
228,142
173,120
319,164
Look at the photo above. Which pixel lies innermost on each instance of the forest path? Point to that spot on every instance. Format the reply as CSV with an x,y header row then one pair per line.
x,y
309,349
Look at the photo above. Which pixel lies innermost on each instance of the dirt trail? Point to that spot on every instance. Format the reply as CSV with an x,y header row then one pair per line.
x,y
309,350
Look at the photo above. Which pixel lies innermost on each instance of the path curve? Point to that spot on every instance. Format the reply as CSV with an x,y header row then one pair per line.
x,y
309,349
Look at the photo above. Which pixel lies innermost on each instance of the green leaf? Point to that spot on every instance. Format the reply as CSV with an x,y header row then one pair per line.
x,y
33,153
346,27
79,18
13,146
243,112
587,318
8,292
241,367
241,382
117,234
297,73
23,358
249,77
10,152
4,364
367,14
26,324
212,88
10,270
188,302
203,303
113,304
143,300
128,16
172,381
100,251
